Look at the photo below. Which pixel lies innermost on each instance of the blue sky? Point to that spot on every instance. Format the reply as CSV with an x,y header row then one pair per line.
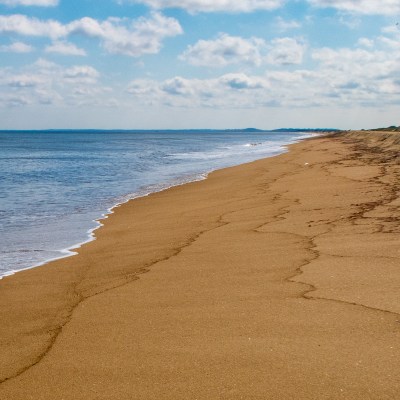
x,y
146,64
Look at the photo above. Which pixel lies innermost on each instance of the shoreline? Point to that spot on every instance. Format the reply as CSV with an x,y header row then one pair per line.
x,y
91,236
276,278
71,251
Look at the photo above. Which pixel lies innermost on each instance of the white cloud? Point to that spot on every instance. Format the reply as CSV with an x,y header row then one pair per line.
x,y
231,6
358,76
16,47
65,48
385,7
15,101
24,81
143,36
41,3
225,50
351,21
47,83
365,42
243,81
27,26
391,43
392,29
45,65
286,51
82,74
328,56
229,90
284,25
391,37
179,86
118,36
142,87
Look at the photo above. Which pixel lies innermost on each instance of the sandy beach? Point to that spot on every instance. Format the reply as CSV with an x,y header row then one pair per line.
x,y
277,279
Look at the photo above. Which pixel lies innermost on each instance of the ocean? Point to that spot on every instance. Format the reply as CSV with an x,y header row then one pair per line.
x,y
55,186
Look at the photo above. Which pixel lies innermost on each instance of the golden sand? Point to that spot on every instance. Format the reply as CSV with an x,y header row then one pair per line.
x,y
277,279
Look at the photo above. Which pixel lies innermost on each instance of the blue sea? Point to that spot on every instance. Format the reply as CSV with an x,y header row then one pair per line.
x,y
55,186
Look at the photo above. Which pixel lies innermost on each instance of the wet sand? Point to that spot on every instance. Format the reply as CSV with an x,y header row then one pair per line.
x,y
277,279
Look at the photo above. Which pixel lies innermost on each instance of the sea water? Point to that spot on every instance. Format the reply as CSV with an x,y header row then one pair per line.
x,y
55,186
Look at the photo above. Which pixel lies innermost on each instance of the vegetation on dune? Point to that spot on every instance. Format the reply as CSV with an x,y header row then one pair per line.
x,y
388,129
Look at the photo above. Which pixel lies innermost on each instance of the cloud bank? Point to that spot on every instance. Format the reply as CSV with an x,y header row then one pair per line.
x,y
118,36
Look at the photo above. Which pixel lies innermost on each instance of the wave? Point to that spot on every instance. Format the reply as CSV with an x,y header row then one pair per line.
x,y
226,152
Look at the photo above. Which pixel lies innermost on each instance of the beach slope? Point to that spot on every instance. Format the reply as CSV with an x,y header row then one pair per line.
x,y
276,279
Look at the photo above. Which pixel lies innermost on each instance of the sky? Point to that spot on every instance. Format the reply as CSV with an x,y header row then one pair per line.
x,y
183,64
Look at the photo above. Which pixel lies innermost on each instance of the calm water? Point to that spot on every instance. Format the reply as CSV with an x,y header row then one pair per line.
x,y
54,185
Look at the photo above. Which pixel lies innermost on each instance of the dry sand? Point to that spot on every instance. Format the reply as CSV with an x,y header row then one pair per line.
x,y
277,279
